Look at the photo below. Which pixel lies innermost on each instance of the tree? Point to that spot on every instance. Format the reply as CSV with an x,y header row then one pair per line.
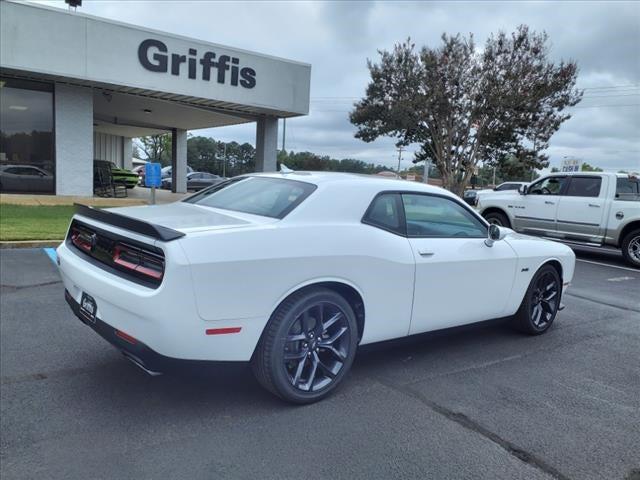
x,y
588,168
156,148
465,107
202,154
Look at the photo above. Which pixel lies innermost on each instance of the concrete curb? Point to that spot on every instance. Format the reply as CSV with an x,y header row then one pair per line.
x,y
30,244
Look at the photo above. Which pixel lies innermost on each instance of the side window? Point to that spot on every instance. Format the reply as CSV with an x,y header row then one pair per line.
x,y
627,186
584,187
434,216
384,212
548,186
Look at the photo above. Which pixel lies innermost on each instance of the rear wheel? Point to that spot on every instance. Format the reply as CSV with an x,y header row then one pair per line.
x,y
497,218
540,304
307,347
631,248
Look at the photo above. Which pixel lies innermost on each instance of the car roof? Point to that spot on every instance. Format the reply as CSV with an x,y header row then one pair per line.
x,y
588,174
356,179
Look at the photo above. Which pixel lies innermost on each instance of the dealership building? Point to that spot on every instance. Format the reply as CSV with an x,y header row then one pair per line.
x,y
76,88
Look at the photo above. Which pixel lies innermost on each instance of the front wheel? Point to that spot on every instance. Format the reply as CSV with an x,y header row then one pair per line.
x,y
631,248
497,218
541,302
307,347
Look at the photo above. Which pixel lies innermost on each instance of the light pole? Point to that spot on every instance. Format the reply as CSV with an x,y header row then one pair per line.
x,y
400,150
427,167
224,162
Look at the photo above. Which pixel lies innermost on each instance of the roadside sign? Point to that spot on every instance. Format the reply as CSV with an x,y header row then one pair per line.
x,y
152,175
570,165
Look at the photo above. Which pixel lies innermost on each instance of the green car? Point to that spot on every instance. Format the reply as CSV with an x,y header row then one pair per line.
x,y
120,175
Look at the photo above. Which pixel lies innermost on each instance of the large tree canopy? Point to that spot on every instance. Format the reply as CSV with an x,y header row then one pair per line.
x,y
465,106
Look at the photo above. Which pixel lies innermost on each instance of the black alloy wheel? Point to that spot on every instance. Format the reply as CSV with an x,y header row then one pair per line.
x,y
544,301
307,347
541,302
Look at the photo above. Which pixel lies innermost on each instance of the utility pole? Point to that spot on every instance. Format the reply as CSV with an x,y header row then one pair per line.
x,y
284,133
400,150
494,176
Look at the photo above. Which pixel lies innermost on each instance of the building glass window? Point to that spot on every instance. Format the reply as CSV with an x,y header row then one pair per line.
x,y
27,161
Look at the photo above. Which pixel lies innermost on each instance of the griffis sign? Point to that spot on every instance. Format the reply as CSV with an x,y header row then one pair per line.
x,y
154,56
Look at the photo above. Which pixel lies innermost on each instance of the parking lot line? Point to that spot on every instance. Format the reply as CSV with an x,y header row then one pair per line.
x,y
607,265
51,253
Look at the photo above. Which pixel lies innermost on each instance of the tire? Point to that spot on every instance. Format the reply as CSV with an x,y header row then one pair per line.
x,y
498,218
316,365
631,248
540,304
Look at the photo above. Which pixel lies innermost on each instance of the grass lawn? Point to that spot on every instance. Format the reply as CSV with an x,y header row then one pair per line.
x,y
26,222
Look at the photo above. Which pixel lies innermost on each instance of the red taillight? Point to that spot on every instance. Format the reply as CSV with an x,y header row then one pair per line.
x,y
81,240
138,261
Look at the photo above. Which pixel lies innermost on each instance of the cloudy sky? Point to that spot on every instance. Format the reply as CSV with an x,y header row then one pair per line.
x,y
336,38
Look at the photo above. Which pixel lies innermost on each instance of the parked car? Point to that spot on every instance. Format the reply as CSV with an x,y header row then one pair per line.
x,y
166,171
506,187
595,209
292,272
25,178
195,181
120,175
471,197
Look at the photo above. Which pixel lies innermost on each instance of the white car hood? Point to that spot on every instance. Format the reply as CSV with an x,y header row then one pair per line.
x,y
187,217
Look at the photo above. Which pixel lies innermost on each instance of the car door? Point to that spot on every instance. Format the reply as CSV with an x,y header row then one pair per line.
x,y
458,278
581,208
193,181
207,180
536,211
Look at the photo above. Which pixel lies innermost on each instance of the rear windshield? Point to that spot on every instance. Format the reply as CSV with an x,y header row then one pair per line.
x,y
269,197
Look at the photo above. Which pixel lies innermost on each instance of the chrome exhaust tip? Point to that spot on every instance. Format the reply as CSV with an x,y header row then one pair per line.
x,y
138,363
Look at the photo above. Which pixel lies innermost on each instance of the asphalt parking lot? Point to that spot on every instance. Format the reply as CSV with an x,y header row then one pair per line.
x,y
483,402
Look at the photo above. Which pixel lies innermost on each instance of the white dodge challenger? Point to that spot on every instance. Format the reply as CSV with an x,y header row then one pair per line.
x,y
292,271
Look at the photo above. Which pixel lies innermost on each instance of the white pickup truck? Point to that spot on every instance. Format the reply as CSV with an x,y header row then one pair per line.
x,y
595,209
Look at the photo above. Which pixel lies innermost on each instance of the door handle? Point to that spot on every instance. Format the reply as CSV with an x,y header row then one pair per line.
x,y
547,202
594,205
425,253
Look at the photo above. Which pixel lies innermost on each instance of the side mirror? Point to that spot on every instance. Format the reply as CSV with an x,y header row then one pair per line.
x,y
494,234
523,189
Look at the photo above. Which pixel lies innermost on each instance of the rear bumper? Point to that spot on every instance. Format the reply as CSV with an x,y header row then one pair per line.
x,y
136,351
144,357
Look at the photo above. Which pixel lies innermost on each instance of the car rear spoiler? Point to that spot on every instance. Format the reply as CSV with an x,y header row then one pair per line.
x,y
128,223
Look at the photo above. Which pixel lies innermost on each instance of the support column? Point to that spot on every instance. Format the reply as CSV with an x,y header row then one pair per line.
x,y
127,153
178,160
266,144
74,140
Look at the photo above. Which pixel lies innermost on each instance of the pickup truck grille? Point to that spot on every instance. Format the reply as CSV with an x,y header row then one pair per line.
x,y
129,259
